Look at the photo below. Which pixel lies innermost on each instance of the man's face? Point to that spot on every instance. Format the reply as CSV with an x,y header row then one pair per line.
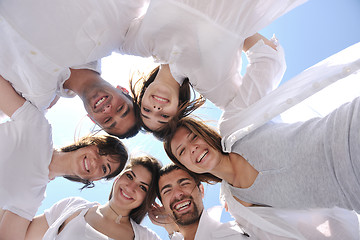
x,y
110,108
181,197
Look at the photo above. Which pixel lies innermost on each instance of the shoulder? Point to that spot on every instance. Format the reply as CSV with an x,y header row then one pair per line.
x,y
142,232
229,230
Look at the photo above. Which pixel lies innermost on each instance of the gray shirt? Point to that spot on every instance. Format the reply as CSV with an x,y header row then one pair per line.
x,y
307,164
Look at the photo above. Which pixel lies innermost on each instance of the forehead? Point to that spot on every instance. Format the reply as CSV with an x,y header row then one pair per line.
x,y
141,173
152,121
180,135
173,177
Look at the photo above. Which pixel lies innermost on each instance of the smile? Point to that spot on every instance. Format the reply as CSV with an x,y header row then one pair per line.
x,y
182,206
86,164
202,156
100,101
160,99
125,195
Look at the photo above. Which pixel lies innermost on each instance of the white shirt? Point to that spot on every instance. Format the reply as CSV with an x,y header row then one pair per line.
x,y
78,228
26,151
31,73
210,229
272,223
202,40
72,33
236,123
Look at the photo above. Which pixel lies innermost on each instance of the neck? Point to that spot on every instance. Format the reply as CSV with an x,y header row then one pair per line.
x,y
225,169
189,231
80,79
115,214
237,171
166,76
59,164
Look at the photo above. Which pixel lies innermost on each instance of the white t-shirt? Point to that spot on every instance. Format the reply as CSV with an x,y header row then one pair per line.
x,y
26,151
78,228
202,40
32,74
72,33
236,123
280,224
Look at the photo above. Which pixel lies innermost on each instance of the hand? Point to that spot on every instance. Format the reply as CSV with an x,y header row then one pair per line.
x,y
159,217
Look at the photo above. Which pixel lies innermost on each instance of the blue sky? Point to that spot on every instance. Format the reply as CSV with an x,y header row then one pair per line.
x,y
309,33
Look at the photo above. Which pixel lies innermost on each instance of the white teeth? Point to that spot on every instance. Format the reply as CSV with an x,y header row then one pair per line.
x,y
202,156
86,165
100,101
125,194
181,206
160,99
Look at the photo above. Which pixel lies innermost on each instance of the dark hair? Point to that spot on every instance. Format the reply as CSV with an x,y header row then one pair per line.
x,y
186,105
107,145
170,168
202,130
153,166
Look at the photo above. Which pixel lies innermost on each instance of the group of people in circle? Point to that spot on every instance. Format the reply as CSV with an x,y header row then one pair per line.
x,y
275,177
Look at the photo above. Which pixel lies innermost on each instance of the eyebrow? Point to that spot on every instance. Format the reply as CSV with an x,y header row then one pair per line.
x,y
178,181
164,187
109,167
140,181
126,112
149,118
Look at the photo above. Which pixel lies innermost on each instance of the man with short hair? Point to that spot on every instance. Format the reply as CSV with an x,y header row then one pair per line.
x,y
181,195
41,81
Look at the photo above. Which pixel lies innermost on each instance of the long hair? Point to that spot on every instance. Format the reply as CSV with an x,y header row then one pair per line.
x,y
153,166
202,130
186,105
108,146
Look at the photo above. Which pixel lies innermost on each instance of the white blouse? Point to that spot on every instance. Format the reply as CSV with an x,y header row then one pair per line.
x,y
202,40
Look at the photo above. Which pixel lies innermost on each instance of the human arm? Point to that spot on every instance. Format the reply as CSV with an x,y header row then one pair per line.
x,y
37,228
12,226
10,100
252,40
158,217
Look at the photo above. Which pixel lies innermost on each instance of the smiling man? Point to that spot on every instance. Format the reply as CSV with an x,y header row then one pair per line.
x,y
181,195
54,51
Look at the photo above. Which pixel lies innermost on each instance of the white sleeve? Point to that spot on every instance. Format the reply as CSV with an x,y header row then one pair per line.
x,y
263,74
56,210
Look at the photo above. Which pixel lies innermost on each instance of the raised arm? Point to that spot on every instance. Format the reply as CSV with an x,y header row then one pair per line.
x,y
10,100
37,228
251,41
12,226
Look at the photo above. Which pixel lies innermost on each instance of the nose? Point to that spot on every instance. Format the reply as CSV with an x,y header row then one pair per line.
x,y
157,108
106,108
131,186
193,148
178,193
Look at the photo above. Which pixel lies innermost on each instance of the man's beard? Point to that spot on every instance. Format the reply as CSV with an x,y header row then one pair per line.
x,y
190,217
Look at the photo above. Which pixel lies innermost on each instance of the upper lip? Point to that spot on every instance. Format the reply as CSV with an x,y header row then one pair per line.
x,y
160,99
104,102
126,195
179,203
86,164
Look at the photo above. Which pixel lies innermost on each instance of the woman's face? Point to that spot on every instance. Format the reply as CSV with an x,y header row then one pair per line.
x,y
160,101
193,152
90,165
131,187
